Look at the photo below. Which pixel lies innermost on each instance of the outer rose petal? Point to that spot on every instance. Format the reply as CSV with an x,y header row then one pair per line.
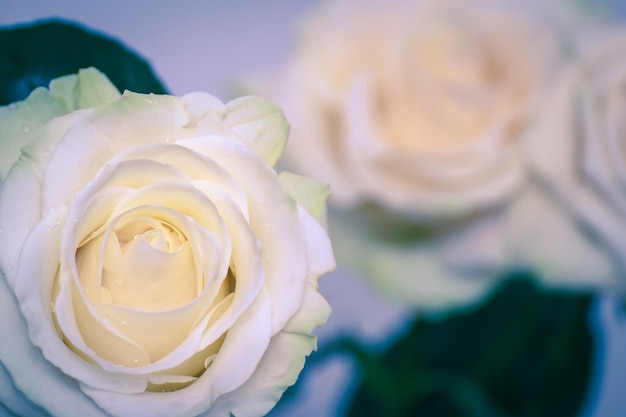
x,y
32,374
89,88
311,194
284,358
39,108
14,399
260,124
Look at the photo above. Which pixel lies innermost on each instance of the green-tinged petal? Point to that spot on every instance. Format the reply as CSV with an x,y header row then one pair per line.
x,y
88,88
20,121
261,124
92,89
309,193
63,88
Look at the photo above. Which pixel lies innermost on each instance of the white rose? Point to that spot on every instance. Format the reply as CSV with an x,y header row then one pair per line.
x,y
154,263
415,112
583,166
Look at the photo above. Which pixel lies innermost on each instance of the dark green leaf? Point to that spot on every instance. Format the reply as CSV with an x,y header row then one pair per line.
x,y
525,353
32,55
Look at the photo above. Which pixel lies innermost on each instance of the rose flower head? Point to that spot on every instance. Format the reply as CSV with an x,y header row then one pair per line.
x,y
153,261
416,113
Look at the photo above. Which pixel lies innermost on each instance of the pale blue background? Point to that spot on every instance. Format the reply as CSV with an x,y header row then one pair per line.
x,y
206,46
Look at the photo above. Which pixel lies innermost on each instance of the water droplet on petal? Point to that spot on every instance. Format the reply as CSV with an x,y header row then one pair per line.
x,y
208,361
25,129
74,220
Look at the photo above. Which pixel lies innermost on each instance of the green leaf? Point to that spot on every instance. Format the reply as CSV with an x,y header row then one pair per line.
x,y
34,54
524,353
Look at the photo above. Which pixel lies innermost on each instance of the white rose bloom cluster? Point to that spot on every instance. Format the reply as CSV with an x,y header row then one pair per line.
x,y
420,115
153,261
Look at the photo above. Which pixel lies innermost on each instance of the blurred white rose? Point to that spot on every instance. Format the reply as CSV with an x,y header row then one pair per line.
x,y
153,262
416,113
583,165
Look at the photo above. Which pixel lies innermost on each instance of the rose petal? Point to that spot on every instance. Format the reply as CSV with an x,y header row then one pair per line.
x,y
32,375
37,267
260,124
15,401
273,217
234,365
37,109
311,194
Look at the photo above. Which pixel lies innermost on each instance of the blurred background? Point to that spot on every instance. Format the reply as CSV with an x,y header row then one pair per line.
x,y
213,46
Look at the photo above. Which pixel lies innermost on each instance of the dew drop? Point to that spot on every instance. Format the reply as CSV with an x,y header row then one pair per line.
x,y
13,106
135,360
208,361
74,220
25,129
149,101
46,154
9,267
